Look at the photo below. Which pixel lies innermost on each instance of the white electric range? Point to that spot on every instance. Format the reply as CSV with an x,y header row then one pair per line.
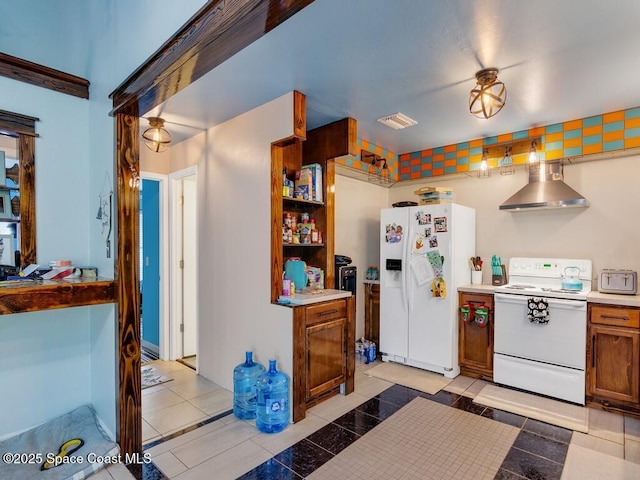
x,y
540,328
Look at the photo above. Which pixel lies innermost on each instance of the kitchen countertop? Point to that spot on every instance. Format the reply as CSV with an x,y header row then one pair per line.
x,y
614,299
375,282
482,288
309,298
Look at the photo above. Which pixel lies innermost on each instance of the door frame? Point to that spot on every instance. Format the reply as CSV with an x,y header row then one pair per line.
x,y
175,283
165,314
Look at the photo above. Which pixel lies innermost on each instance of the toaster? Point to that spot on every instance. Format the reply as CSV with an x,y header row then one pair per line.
x,y
618,281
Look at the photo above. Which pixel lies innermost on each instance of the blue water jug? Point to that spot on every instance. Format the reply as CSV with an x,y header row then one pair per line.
x,y
272,413
245,376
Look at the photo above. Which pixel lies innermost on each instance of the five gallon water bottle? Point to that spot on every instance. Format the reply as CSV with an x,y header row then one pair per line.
x,y
244,387
272,413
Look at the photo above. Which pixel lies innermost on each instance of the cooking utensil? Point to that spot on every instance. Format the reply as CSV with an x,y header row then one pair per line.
x,y
571,279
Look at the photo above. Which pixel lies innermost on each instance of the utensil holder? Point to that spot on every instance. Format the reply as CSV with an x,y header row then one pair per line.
x,y
500,279
476,277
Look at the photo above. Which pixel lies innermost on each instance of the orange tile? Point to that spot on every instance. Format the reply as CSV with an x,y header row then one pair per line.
x,y
573,142
405,156
462,168
594,148
426,166
475,143
358,164
572,125
415,161
450,163
462,153
415,175
536,132
378,150
404,170
426,153
554,137
632,122
505,137
553,155
438,171
611,136
449,148
613,116
439,157
632,142
594,130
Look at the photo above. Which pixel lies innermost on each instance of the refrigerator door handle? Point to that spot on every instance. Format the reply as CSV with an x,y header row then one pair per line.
x,y
406,273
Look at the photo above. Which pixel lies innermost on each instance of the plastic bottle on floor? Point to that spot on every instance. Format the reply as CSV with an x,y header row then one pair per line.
x,y
245,376
272,413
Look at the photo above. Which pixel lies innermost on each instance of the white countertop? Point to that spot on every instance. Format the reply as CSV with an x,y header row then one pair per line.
x,y
594,296
316,297
375,282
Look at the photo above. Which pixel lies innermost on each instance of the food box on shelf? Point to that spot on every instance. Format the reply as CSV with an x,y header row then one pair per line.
x,y
316,179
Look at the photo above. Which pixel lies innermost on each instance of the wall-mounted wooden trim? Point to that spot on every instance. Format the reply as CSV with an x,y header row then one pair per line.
x,y
26,147
35,74
15,123
215,33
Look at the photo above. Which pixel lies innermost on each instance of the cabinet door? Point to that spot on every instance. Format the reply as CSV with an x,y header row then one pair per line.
x,y
614,363
475,343
372,313
326,355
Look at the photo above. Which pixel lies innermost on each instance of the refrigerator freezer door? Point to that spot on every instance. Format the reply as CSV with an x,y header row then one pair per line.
x,y
393,301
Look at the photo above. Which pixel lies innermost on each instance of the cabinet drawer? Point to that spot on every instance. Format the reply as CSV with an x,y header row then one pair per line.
x,y
323,312
476,299
616,316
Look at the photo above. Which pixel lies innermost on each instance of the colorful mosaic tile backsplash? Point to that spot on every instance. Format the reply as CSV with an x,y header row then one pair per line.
x,y
598,134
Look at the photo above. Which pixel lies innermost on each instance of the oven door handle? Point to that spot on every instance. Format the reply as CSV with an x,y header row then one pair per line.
x,y
522,299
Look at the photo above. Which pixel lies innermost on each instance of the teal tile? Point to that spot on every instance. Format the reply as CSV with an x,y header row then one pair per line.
x,y
416,168
405,176
490,141
359,142
438,150
573,133
614,145
632,132
632,113
426,160
613,126
553,128
450,155
592,121
450,170
474,166
415,155
592,139
554,146
348,162
475,151
385,152
462,146
521,135
463,161
439,164
573,151
427,173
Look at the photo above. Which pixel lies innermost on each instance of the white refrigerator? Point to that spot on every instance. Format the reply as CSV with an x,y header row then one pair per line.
x,y
424,258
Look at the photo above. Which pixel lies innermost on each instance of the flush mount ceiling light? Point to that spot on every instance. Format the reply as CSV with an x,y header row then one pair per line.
x,y
156,137
489,95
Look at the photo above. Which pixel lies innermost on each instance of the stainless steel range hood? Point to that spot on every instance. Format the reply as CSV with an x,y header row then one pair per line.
x,y
546,189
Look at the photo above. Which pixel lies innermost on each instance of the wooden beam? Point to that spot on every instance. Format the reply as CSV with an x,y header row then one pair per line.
x,y
215,33
35,74
129,403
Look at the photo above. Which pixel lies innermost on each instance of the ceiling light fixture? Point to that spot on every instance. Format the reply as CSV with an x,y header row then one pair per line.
x,y
378,171
533,159
484,171
489,95
156,137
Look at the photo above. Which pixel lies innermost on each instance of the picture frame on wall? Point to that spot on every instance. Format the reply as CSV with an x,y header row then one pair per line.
x,y
3,170
7,256
5,204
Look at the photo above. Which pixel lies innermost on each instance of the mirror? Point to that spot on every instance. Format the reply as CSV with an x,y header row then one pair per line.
x,y
17,191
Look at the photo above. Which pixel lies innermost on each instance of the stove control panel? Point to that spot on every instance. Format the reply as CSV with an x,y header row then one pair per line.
x,y
550,267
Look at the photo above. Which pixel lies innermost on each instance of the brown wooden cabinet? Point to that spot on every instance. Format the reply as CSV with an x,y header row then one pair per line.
x,y
372,312
324,352
475,342
613,358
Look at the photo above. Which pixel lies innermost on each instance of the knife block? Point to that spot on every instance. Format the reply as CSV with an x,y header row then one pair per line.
x,y
501,279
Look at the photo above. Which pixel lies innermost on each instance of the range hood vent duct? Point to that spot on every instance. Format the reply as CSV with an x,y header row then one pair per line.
x,y
545,190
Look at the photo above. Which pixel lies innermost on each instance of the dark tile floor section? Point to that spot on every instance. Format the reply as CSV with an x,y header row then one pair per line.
x,y
146,471
538,453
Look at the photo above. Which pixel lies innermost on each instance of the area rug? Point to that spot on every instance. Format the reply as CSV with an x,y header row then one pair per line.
x,y
151,377
540,408
425,440
411,377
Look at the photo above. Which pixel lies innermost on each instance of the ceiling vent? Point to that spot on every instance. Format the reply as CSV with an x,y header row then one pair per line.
x,y
397,121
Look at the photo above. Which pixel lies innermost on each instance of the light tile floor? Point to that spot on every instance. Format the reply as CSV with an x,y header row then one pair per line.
x,y
230,447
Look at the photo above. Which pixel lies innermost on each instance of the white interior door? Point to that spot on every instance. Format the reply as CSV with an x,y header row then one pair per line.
x,y
189,303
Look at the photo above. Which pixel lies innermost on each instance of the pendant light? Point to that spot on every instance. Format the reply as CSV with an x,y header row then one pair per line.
x,y
506,164
533,159
489,95
483,171
156,137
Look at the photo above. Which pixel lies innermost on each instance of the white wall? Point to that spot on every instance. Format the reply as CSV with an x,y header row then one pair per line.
x,y
234,274
357,226
608,232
